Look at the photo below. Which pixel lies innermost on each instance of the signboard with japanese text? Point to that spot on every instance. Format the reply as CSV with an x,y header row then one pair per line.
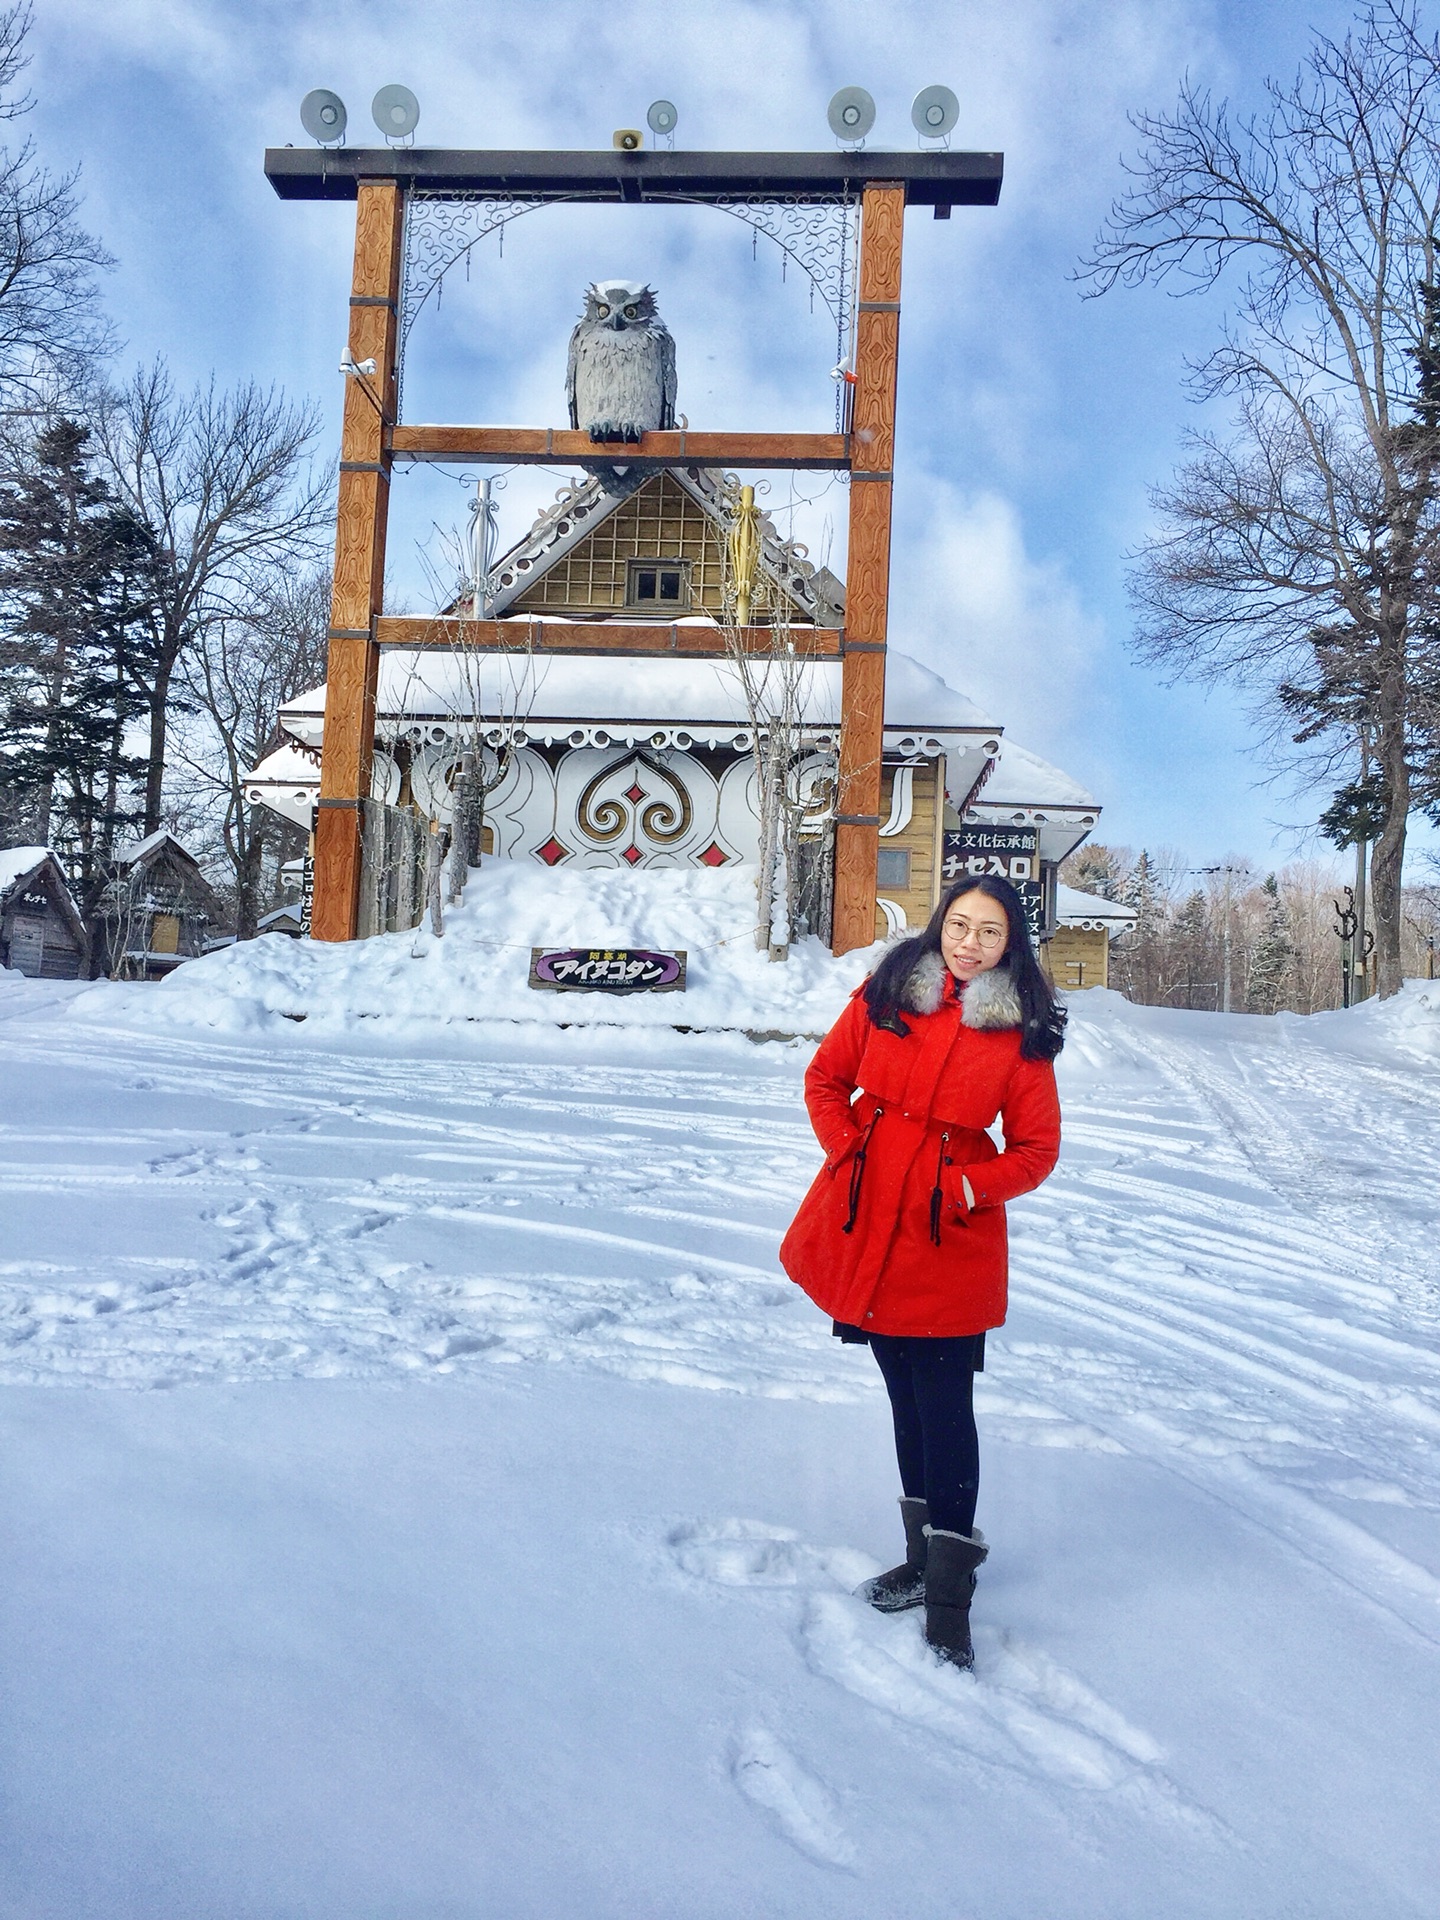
x,y
607,970
307,894
1001,853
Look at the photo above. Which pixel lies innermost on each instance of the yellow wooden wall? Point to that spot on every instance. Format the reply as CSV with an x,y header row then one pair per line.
x,y
1076,957
659,521
921,839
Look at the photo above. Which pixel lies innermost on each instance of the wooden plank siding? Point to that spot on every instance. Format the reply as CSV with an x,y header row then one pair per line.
x,y
1076,957
920,839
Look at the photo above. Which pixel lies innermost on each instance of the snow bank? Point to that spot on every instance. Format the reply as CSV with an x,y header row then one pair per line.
x,y
1410,1020
479,969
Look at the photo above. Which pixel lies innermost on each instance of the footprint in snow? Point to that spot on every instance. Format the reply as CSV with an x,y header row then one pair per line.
x,y
749,1553
1019,1709
772,1779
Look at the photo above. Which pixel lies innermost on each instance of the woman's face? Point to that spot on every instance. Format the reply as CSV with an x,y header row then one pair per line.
x,y
973,934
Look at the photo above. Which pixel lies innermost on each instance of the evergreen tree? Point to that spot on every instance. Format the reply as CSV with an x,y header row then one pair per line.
x,y
1273,960
1144,944
1191,946
79,581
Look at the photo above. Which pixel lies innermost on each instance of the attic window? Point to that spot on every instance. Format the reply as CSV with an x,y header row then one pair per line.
x,y
659,586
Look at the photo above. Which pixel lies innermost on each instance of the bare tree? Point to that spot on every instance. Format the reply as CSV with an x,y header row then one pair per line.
x,y
51,329
1318,509
775,686
242,670
229,483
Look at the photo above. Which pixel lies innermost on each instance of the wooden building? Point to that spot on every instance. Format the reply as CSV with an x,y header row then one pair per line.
x,y
41,932
160,910
1078,955
613,760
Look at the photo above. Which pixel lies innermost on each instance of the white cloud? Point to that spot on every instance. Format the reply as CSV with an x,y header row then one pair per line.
x,y
1005,627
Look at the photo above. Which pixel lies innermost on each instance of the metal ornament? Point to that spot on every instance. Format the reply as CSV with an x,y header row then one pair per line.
x,y
443,228
323,116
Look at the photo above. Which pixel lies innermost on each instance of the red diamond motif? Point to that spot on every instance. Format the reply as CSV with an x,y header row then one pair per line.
x,y
714,856
632,854
552,852
634,794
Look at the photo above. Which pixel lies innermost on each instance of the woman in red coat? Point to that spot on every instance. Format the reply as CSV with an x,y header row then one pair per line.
x,y
901,1238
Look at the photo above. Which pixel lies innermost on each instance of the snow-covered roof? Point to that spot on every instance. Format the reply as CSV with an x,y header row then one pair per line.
x,y
1022,790
1021,778
1076,909
129,851
16,862
554,695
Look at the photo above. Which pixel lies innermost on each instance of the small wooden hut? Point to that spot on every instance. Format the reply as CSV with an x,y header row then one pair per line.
x,y
41,932
160,910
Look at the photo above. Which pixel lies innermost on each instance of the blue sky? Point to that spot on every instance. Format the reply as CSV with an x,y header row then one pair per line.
x,y
1031,425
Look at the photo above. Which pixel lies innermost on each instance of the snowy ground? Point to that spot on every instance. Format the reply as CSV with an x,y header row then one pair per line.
x,y
468,1523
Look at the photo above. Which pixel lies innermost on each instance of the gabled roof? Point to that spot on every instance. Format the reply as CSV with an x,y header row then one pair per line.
x,y
20,866
140,853
814,593
18,863
1076,909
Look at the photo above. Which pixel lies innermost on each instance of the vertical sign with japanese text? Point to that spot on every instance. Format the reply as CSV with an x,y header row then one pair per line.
x,y
1002,853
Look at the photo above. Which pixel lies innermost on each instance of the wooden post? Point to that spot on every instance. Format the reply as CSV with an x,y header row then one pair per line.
x,y
363,510
867,586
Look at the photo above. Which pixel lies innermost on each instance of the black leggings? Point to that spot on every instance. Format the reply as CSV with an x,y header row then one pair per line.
x,y
931,1387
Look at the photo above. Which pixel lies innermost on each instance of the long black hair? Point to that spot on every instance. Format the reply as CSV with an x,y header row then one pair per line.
x,y
1042,1018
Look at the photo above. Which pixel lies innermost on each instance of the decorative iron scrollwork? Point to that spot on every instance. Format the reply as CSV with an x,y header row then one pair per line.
x,y
443,226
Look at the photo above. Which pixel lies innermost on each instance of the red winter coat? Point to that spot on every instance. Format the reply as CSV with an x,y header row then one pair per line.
x,y
916,1258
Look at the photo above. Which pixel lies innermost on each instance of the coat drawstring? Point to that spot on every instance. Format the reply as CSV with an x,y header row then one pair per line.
x,y
937,1194
857,1172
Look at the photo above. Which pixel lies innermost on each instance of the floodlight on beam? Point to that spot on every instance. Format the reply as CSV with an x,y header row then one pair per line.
x,y
934,113
396,112
851,114
661,119
323,116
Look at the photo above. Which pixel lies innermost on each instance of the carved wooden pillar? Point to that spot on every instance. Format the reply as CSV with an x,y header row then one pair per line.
x,y
363,510
867,584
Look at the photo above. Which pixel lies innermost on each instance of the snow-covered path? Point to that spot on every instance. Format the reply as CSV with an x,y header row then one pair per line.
x,y
492,1554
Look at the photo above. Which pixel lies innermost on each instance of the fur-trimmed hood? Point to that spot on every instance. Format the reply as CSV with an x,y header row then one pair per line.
x,y
988,1003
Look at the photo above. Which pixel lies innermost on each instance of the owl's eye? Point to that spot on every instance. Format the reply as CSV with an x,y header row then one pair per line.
x,y
630,312
603,311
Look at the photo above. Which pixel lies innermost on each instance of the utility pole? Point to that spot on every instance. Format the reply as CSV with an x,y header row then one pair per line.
x,y
1228,871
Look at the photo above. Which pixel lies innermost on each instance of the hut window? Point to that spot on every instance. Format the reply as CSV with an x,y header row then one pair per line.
x,y
892,868
165,933
658,585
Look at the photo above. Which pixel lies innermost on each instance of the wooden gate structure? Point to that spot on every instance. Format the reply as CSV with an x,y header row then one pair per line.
x,y
381,181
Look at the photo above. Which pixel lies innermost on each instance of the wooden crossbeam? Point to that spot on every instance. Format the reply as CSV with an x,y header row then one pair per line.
x,y
560,446
929,179
441,631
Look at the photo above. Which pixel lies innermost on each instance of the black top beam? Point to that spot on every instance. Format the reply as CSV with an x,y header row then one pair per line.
x,y
930,179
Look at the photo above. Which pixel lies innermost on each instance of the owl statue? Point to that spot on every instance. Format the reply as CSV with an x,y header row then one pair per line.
x,y
621,378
